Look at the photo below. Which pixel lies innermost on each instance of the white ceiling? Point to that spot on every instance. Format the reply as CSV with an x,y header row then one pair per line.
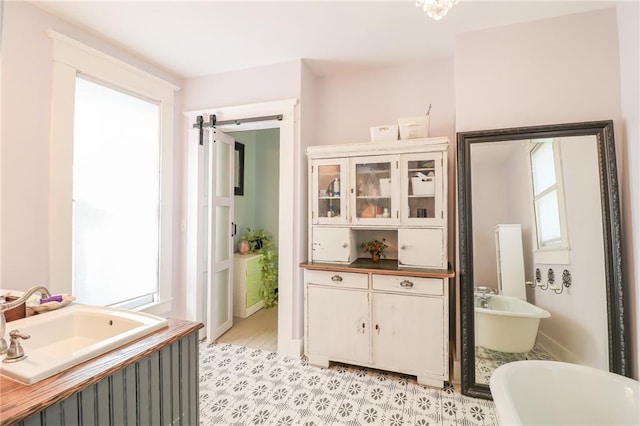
x,y
191,39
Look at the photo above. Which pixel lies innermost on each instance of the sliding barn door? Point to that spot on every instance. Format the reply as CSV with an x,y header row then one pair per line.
x,y
220,156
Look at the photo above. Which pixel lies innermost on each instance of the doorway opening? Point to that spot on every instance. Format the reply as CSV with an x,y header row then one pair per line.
x,y
289,307
256,207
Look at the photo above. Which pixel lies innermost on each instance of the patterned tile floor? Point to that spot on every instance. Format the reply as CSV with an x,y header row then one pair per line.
x,y
243,386
488,360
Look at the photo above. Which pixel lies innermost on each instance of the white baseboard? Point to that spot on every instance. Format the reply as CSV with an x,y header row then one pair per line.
x,y
556,350
290,347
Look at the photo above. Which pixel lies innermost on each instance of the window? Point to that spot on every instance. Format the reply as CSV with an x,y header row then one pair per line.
x,y
116,181
548,201
111,190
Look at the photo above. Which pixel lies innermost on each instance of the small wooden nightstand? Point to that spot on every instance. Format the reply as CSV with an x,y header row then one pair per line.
x,y
247,284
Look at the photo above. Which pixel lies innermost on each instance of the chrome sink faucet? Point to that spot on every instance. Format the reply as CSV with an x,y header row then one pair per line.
x,y
5,306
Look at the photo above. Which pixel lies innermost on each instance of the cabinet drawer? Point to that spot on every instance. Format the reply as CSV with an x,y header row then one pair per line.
x,y
337,279
404,284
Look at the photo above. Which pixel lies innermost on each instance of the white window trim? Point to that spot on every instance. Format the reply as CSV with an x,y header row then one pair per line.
x,y
559,254
71,57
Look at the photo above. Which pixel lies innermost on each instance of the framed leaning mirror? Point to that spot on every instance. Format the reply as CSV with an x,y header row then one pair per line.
x,y
540,250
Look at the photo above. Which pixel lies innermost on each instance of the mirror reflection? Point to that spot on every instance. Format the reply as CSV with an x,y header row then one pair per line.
x,y
544,214
540,257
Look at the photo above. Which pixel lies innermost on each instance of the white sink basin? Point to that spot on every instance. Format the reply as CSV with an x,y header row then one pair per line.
x,y
64,338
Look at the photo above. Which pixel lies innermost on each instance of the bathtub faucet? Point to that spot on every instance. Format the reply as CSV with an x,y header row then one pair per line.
x,y
5,306
484,300
484,295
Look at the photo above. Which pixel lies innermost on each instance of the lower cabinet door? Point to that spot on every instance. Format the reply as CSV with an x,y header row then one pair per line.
x,y
408,333
338,323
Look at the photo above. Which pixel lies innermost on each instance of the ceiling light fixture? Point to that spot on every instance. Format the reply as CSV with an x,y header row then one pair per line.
x,y
436,9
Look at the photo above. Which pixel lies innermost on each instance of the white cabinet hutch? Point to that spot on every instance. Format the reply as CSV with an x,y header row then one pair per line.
x,y
401,188
392,315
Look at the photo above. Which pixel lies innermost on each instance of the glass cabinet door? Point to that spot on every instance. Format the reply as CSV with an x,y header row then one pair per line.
x,y
422,188
329,177
374,190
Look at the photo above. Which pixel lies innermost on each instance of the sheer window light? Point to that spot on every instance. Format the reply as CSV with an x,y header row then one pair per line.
x,y
116,196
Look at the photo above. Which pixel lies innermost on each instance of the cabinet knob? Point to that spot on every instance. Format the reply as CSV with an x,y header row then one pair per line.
x,y
336,278
345,245
406,284
362,328
404,247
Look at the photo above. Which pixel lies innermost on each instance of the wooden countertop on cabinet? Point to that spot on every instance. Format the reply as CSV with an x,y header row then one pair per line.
x,y
19,401
384,267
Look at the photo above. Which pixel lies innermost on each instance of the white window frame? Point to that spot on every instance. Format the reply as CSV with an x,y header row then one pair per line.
x,y
71,58
557,253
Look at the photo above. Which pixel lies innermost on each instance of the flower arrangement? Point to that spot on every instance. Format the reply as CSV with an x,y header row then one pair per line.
x,y
375,247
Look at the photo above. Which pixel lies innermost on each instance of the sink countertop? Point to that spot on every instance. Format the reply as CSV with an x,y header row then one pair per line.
x,y
20,401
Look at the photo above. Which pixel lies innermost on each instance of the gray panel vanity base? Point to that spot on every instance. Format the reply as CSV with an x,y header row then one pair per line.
x,y
161,389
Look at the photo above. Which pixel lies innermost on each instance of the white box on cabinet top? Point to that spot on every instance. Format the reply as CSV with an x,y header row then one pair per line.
x,y
384,133
414,127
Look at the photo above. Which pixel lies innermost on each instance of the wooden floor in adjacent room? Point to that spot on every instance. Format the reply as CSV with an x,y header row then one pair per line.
x,y
259,331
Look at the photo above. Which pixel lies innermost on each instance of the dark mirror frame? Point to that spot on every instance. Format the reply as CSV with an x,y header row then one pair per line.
x,y
603,130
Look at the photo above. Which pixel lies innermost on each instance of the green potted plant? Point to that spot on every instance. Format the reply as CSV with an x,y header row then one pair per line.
x,y
375,248
261,242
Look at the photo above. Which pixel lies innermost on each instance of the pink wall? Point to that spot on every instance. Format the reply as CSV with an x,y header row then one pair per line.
x,y
555,71
253,85
349,104
26,108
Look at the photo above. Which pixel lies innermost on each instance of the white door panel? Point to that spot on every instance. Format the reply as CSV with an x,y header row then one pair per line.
x,y
220,241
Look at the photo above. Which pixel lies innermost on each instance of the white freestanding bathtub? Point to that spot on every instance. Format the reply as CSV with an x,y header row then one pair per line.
x,y
559,393
507,324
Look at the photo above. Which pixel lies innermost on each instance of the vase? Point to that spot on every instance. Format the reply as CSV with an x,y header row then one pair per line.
x,y
244,247
375,258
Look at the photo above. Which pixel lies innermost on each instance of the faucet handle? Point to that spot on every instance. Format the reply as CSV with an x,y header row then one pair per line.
x,y
15,351
17,334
